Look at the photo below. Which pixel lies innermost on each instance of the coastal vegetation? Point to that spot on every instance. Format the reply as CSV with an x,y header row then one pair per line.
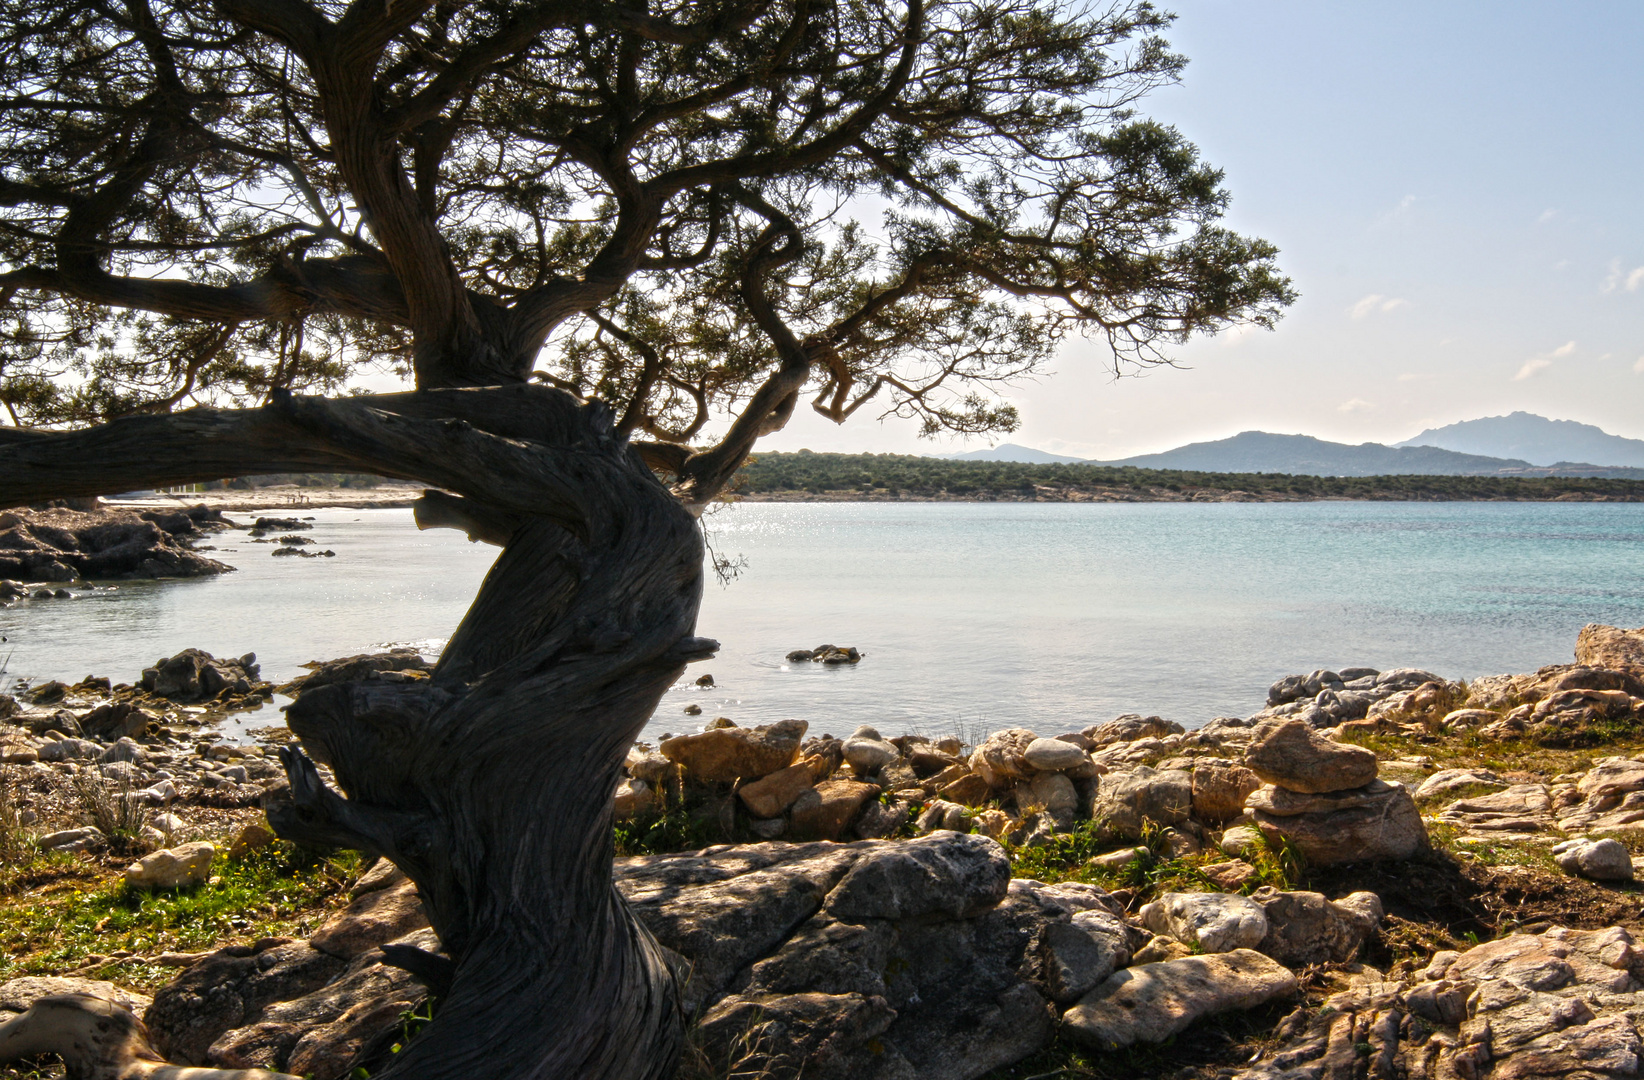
x,y
888,476
1161,842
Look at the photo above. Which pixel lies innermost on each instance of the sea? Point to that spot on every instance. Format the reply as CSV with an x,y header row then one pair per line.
x,y
970,616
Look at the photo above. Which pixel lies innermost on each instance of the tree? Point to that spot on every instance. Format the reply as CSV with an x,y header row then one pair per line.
x,y
611,244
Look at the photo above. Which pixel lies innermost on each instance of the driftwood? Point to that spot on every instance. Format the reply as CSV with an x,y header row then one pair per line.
x,y
489,783
100,1040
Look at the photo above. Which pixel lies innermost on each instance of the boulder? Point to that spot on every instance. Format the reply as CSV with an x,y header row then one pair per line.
x,y
724,754
867,753
852,962
1215,922
771,795
825,811
1152,1002
1294,757
1600,860
941,814
1230,876
1220,788
173,868
968,790
1125,800
633,798
1240,841
1609,646
1002,757
1377,821
1306,928
1049,791
1054,755
1129,728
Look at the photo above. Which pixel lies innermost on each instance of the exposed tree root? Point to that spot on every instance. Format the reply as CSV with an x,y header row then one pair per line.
x,y
99,1040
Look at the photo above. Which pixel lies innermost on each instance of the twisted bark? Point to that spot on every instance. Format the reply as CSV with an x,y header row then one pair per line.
x,y
490,783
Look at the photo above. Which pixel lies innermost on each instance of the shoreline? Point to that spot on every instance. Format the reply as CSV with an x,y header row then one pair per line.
x,y
290,498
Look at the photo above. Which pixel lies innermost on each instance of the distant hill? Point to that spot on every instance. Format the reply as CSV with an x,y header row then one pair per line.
x,y
1534,439
1304,455
1025,455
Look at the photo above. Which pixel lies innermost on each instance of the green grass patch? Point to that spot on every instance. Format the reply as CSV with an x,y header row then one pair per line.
x,y
282,890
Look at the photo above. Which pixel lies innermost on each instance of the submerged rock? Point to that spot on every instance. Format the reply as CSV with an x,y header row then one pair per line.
x,y
62,545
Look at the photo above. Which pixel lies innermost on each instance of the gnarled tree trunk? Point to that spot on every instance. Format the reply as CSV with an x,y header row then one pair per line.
x,y
489,784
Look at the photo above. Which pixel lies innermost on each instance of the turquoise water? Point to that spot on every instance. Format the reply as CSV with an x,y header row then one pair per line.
x,y
972,615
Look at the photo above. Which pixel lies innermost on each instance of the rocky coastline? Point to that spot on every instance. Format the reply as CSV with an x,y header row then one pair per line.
x,y
1373,875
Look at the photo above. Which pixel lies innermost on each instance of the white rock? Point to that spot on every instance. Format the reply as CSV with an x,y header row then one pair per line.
x,y
1152,1002
124,750
160,794
1218,922
1120,857
186,864
167,823
71,839
867,752
1601,860
1240,840
1054,755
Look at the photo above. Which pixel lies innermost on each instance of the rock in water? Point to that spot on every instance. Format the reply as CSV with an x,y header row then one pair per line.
x,y
1601,860
1294,757
1152,1002
61,545
172,868
1377,821
1216,922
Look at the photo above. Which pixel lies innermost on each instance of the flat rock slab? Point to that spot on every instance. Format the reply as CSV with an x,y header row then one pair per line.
x,y
1152,1002
1521,808
1295,757
1524,1007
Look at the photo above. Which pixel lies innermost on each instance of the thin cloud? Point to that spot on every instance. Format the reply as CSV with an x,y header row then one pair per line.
x,y
1619,278
1415,376
1546,216
1638,365
1357,404
1531,367
1376,302
1564,350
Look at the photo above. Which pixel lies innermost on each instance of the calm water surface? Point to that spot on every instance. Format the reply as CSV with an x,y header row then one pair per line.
x,y
972,615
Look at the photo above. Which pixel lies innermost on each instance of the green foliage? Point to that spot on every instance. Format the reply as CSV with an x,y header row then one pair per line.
x,y
273,891
774,473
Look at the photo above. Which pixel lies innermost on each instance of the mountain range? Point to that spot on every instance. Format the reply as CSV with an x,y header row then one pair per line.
x,y
1521,444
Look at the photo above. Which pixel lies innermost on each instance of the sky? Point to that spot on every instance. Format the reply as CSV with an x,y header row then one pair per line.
x,y
1457,191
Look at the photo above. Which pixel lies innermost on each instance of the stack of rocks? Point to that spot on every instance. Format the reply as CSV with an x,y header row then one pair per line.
x,y
1325,800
